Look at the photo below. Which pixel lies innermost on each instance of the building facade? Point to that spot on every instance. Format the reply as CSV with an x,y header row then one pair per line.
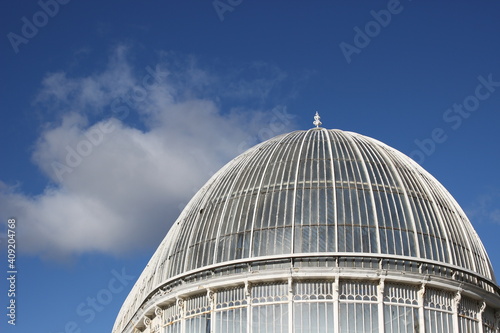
x,y
318,231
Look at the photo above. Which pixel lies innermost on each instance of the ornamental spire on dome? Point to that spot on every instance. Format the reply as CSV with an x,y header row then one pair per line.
x,y
317,121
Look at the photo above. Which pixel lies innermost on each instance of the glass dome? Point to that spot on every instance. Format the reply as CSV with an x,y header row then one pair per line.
x,y
319,229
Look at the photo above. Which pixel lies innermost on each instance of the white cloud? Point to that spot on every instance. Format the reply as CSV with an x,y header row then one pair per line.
x,y
485,208
90,94
126,150
495,216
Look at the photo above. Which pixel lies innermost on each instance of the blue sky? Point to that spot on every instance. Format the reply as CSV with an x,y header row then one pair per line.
x,y
114,114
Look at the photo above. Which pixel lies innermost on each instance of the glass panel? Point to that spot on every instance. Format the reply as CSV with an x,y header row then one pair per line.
x,y
231,321
358,317
400,319
438,322
313,317
467,315
198,324
489,321
270,318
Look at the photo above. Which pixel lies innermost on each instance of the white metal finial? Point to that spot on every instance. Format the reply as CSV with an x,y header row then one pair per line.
x,y
317,121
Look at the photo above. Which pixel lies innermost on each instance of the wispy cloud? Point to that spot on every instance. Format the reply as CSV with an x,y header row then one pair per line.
x,y
486,208
116,178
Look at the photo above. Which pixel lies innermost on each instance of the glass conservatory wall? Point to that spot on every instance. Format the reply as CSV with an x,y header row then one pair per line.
x,y
312,306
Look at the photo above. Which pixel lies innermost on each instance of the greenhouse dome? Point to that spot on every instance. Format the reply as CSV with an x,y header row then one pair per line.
x,y
317,231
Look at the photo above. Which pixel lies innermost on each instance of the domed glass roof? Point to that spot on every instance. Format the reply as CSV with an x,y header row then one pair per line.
x,y
321,191
317,192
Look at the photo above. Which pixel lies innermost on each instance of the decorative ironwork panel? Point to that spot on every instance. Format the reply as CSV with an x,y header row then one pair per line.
x,y
269,292
313,290
358,291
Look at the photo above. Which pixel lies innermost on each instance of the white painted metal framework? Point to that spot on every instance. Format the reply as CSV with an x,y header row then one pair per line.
x,y
318,231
